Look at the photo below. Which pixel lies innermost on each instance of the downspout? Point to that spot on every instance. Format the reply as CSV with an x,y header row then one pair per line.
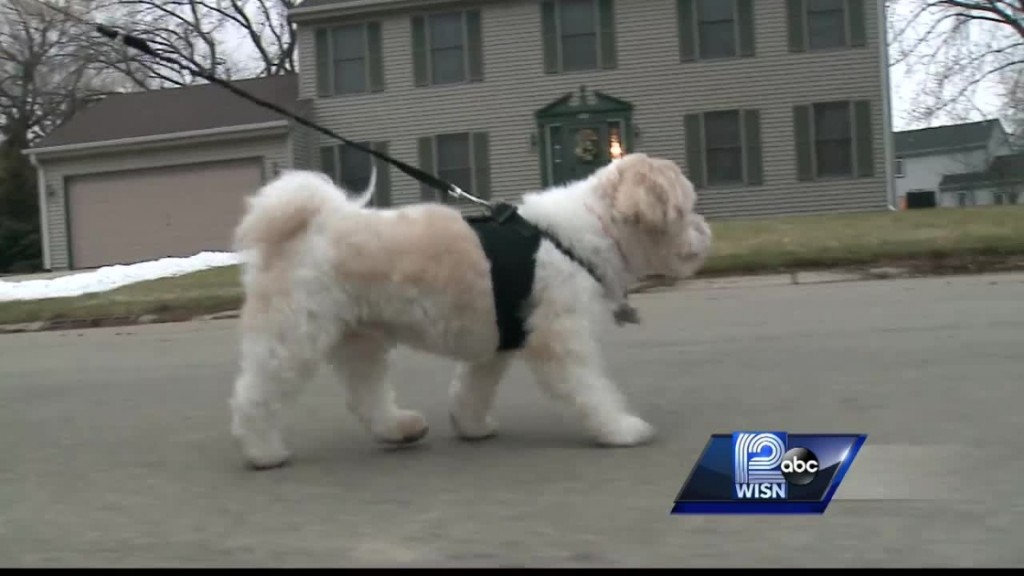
x,y
44,210
883,47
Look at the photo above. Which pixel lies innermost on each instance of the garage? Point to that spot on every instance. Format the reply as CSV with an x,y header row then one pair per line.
x,y
138,215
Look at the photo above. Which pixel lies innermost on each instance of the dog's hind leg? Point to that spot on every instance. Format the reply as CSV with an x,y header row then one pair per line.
x,y
472,397
569,370
276,363
361,362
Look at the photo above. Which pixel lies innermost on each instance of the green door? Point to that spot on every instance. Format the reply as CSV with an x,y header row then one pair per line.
x,y
578,147
580,135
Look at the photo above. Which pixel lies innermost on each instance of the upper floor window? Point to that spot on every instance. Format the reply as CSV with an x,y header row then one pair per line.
x,y
462,158
834,140
723,147
825,24
578,35
715,28
351,169
348,59
447,48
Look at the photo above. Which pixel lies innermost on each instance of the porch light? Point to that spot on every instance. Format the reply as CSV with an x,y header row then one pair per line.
x,y
615,148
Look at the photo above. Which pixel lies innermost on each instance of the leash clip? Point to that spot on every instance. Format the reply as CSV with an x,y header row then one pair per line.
x,y
502,211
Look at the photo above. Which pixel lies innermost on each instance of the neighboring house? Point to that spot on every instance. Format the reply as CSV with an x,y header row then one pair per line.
x,y
925,157
1001,182
770,107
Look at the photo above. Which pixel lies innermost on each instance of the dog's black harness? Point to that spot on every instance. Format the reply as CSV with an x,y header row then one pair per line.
x,y
510,243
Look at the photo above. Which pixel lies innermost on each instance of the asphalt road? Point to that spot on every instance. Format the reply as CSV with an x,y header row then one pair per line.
x,y
114,445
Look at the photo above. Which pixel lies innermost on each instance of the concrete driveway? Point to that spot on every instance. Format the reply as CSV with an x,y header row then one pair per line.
x,y
114,446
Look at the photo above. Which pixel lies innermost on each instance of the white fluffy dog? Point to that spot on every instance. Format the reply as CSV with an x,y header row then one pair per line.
x,y
327,279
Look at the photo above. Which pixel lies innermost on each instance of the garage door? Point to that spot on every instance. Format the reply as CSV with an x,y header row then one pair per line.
x,y
125,217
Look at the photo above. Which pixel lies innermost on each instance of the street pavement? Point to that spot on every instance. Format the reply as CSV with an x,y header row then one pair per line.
x,y
114,444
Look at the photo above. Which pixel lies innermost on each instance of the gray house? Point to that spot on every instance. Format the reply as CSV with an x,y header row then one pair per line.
x,y
771,107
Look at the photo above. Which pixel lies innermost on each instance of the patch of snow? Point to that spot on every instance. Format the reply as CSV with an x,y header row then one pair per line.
x,y
110,277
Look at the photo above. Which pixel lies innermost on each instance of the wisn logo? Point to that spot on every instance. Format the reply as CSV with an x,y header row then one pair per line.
x,y
754,472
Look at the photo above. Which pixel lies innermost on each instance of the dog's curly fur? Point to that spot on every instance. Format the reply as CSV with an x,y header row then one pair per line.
x,y
327,279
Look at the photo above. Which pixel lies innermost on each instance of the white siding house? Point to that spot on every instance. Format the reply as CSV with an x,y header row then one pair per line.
x,y
924,157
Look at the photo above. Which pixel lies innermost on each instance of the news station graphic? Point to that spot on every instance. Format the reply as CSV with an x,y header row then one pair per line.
x,y
752,472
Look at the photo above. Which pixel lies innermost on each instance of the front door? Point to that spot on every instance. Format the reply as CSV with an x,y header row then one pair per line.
x,y
578,147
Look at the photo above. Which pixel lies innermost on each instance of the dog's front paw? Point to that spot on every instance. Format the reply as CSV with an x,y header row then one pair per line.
x,y
406,427
264,453
474,429
624,431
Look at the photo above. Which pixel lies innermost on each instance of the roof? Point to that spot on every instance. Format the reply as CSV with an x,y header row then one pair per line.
x,y
1005,169
175,110
945,138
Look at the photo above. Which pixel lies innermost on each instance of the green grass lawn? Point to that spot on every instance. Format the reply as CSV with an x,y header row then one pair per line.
x,y
741,246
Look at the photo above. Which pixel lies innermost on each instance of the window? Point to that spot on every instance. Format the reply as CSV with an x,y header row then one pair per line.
x,y
349,60
447,48
460,158
825,24
454,160
834,140
350,168
710,29
348,55
716,29
578,35
724,147
899,167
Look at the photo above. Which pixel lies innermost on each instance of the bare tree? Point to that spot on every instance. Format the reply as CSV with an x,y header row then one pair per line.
x,y
227,38
46,72
961,50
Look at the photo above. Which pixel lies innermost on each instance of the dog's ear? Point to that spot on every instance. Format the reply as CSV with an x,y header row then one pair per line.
x,y
648,192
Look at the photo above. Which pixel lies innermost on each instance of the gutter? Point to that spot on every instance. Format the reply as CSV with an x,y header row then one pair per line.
x,y
157,138
44,211
345,8
883,47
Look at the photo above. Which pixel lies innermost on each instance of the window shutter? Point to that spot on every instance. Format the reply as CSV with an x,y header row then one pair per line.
x,y
376,59
863,138
687,29
803,136
855,15
752,146
796,24
694,148
481,166
425,147
329,161
745,18
419,50
474,40
549,29
606,21
382,196
323,63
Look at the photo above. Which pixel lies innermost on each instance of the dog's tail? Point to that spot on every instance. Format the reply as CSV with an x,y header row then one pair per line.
x,y
286,206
